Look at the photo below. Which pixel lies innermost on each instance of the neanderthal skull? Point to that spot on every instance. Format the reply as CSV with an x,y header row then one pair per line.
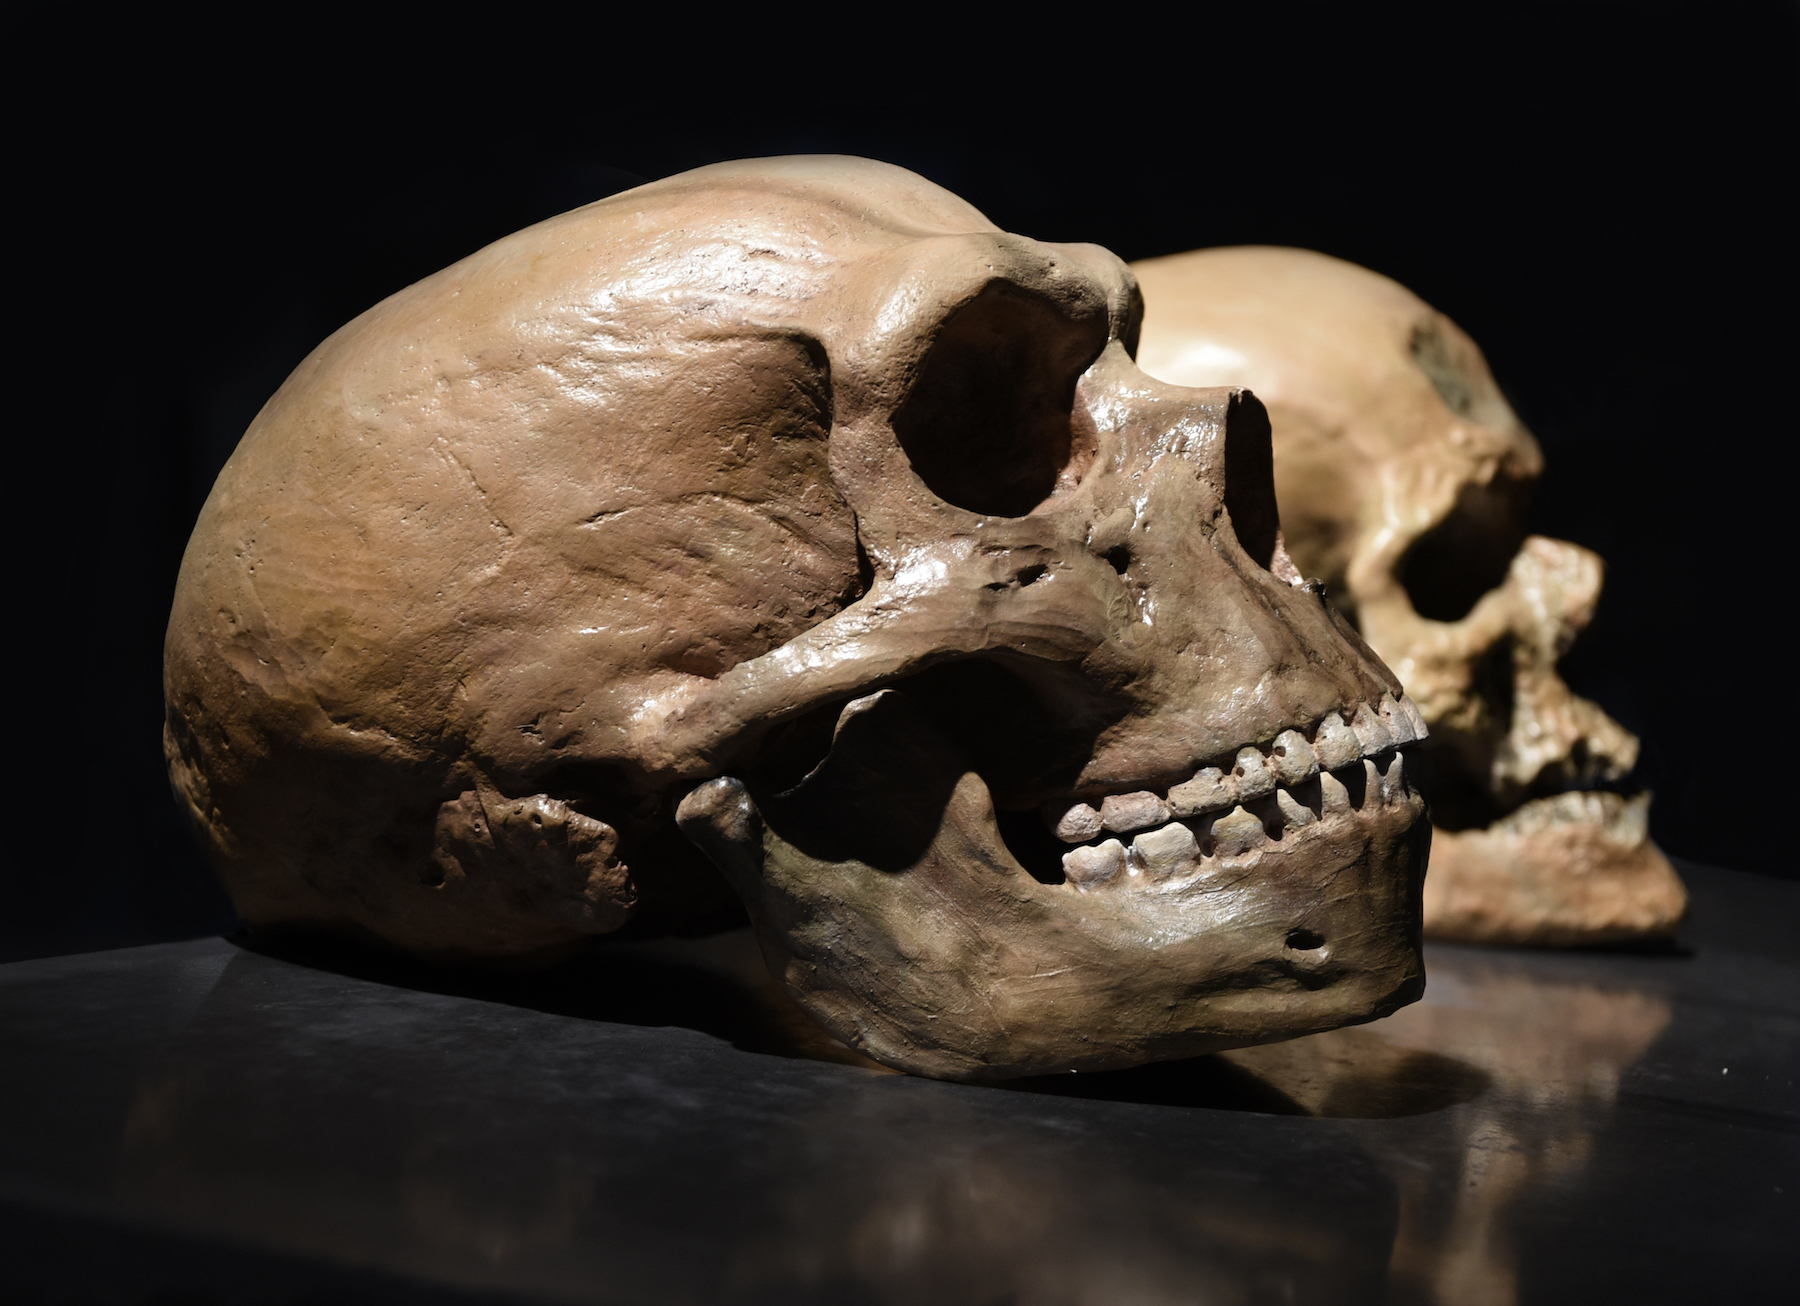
x,y
793,508
1402,476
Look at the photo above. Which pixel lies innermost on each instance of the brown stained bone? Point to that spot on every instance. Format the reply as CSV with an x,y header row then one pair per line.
x,y
619,513
1402,476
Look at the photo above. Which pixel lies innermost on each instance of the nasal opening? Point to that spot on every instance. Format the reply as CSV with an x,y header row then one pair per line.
x,y
1250,477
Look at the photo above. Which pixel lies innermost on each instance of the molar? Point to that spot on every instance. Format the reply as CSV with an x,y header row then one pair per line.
x,y
1335,744
1163,853
1123,813
1087,867
1293,758
1254,778
1211,790
1236,833
1370,733
1076,825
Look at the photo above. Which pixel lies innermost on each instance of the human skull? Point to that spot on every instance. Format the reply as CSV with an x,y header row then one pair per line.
x,y
793,505
1402,476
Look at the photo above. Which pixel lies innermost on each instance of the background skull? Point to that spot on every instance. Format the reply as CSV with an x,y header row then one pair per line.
x,y
1403,475
796,494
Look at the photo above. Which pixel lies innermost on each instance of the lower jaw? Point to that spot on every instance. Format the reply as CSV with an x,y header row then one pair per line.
x,y
913,934
1574,870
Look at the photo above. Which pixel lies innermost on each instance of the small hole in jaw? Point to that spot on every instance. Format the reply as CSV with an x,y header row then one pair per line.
x,y
1031,573
1305,940
1120,557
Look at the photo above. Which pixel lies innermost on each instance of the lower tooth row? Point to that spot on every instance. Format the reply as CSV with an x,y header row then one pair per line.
x,y
1177,848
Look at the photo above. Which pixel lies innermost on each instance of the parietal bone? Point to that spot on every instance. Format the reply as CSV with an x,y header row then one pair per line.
x,y
790,511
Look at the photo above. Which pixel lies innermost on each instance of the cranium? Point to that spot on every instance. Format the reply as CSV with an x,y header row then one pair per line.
x,y
1402,476
794,505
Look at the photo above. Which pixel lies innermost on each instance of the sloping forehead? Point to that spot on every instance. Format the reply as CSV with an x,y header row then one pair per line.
x,y
820,195
753,241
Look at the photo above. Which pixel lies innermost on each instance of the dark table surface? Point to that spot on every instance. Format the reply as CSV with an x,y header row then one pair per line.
x,y
205,1121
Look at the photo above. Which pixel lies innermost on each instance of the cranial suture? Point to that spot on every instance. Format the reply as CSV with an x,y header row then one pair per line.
x,y
1403,476
790,513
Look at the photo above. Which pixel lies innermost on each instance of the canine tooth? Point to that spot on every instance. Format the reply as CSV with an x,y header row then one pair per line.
x,y
1393,784
1293,758
1371,782
1254,778
1086,867
1172,850
1077,825
1293,811
1236,833
1123,813
1335,744
1399,725
1370,733
1333,796
1211,790
1420,731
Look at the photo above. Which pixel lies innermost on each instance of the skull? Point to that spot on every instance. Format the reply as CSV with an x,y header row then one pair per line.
x,y
1402,476
791,512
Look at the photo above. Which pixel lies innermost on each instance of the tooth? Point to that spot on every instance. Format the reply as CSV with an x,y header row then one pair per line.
x,y
1293,810
1334,797
1077,825
1254,778
1335,744
1236,833
1293,758
1123,813
1399,725
1211,790
1393,784
1172,850
1420,732
1370,733
1087,867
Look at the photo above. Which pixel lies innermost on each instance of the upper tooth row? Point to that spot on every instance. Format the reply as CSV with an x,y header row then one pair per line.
x,y
1291,759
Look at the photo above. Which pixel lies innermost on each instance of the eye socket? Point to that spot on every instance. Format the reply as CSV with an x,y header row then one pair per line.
x,y
1448,568
988,423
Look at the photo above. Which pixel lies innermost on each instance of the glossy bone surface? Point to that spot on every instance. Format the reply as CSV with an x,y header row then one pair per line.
x,y
791,513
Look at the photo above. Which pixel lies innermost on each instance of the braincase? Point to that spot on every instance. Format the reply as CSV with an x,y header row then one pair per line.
x,y
592,450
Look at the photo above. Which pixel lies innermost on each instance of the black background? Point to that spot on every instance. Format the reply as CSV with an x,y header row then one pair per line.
x,y
1600,194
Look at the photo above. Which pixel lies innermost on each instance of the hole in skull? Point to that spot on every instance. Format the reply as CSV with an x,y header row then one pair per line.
x,y
1250,478
1448,568
1119,556
987,423
1304,940
1458,377
793,748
